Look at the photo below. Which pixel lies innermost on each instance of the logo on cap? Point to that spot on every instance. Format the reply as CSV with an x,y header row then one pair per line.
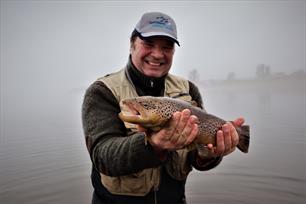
x,y
161,22
157,24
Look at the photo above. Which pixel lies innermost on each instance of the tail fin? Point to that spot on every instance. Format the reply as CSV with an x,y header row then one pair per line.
x,y
244,138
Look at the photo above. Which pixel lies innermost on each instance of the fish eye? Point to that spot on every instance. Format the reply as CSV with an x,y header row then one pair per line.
x,y
145,105
148,105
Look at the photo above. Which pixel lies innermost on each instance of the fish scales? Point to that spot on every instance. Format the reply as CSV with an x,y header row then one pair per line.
x,y
154,112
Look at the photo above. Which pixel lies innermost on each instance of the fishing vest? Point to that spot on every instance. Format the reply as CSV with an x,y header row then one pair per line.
x,y
142,182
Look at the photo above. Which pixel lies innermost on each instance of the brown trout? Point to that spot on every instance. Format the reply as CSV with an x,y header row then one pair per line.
x,y
153,113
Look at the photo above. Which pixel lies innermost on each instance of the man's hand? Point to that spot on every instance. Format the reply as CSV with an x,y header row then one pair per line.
x,y
181,131
227,139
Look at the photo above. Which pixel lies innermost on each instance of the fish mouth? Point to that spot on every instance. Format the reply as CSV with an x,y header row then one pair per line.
x,y
134,113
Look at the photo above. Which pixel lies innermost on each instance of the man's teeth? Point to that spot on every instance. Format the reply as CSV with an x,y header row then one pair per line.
x,y
154,63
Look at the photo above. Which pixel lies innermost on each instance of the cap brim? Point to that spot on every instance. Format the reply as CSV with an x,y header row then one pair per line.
x,y
159,34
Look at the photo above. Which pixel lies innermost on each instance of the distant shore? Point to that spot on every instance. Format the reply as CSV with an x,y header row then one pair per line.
x,y
279,84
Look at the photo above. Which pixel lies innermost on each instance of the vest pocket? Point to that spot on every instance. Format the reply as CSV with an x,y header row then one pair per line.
x,y
137,184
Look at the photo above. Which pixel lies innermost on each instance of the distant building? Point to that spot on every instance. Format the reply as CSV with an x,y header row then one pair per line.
x,y
231,76
263,71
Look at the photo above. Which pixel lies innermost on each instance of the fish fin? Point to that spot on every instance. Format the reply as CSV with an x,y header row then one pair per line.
x,y
244,138
191,147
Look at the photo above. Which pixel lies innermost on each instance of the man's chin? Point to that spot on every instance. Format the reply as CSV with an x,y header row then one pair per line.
x,y
156,74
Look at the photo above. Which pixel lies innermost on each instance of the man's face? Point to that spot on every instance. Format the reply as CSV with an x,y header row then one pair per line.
x,y
153,56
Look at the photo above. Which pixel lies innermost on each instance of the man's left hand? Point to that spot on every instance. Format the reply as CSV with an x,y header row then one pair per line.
x,y
227,139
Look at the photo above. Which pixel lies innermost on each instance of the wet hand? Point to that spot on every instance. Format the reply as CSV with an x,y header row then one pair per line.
x,y
181,131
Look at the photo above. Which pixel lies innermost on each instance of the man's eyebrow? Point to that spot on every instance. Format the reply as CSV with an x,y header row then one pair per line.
x,y
170,43
151,40
148,40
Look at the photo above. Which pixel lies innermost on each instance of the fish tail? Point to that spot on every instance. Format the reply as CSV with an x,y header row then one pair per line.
x,y
244,138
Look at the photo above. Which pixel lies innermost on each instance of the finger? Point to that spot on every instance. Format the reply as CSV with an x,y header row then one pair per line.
x,y
184,119
187,131
171,127
192,135
185,114
227,137
239,121
192,126
189,126
234,135
210,146
220,143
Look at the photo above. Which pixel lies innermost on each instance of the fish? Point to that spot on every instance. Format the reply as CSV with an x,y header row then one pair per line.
x,y
153,113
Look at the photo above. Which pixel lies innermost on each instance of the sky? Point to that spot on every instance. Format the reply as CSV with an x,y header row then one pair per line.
x,y
55,44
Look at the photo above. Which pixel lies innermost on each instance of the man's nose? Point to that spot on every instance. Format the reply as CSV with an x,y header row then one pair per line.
x,y
157,52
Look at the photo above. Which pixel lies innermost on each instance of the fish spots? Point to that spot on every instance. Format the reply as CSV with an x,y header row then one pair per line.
x,y
156,111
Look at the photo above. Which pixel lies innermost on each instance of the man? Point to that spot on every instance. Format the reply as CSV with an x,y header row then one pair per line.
x,y
126,169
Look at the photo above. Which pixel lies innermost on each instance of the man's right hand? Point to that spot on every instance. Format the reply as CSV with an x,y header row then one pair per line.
x,y
181,131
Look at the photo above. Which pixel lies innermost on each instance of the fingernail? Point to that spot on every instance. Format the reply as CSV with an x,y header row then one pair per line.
x,y
225,128
186,112
195,119
176,114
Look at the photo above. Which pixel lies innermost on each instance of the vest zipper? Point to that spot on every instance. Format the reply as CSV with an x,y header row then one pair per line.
x,y
154,178
155,194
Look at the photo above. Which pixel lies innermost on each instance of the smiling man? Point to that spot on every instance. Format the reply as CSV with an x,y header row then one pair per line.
x,y
127,169
153,56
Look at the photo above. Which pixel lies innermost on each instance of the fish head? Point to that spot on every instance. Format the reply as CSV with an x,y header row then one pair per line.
x,y
146,111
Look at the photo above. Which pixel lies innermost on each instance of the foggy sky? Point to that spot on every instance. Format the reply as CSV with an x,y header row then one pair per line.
x,y
51,51
71,43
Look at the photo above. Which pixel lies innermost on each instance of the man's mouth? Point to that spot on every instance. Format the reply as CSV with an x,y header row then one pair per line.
x,y
155,64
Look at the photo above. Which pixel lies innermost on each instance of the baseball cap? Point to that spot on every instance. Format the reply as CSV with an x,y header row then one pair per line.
x,y
157,24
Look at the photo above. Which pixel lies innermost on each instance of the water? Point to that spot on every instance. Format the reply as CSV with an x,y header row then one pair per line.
x,y
274,169
44,160
43,155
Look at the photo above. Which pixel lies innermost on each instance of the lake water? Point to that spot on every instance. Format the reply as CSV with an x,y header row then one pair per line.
x,y
44,160
274,169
